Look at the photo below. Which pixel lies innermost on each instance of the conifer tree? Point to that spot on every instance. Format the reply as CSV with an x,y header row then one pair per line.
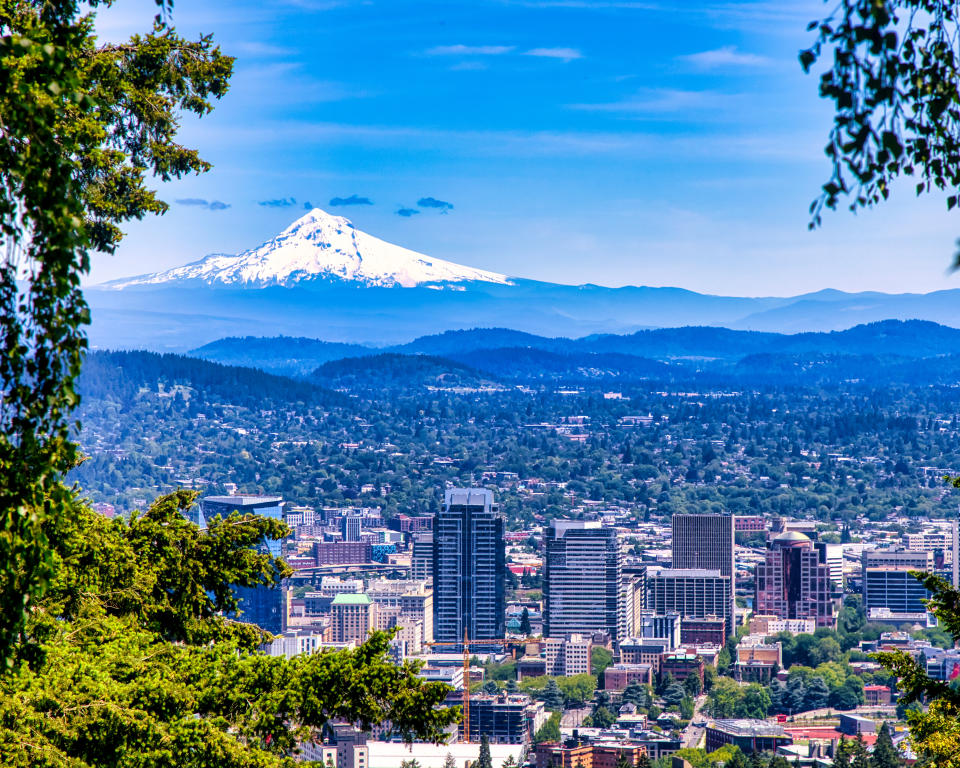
x,y
484,760
885,754
842,757
525,629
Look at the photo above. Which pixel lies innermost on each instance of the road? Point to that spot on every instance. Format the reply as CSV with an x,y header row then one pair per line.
x,y
573,718
693,735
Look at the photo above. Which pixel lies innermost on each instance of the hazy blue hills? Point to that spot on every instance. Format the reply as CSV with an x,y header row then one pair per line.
x,y
387,370
288,356
122,376
506,352
182,317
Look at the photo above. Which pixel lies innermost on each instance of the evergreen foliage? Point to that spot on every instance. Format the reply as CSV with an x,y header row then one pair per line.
x,y
484,760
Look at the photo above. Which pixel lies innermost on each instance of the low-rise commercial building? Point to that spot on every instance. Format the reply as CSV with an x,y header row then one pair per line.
x,y
589,755
618,676
749,735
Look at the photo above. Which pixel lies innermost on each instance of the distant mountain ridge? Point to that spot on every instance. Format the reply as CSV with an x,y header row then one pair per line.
x,y
321,277
911,339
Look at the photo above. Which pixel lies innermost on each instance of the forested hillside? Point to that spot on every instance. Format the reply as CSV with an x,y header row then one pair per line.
x,y
402,427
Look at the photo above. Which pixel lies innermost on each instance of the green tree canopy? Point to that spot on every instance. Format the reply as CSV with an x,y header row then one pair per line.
x,y
134,664
82,127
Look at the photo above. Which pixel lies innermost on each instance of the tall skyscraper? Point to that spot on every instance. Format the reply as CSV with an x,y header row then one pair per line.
x,y
468,567
582,580
706,542
350,527
263,606
792,583
955,536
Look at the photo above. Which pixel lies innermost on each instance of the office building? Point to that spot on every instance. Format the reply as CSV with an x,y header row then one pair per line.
x,y
792,582
708,630
352,618
902,559
772,625
342,552
617,677
408,524
928,541
263,606
652,626
749,735
582,580
468,567
409,598
350,527
576,753
888,583
567,657
421,558
749,524
758,659
706,542
831,555
634,650
264,506
693,593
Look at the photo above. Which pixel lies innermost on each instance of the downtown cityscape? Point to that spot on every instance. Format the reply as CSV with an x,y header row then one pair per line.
x,y
479,384
596,640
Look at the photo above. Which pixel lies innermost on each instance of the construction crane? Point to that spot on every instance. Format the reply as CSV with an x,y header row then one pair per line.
x,y
466,672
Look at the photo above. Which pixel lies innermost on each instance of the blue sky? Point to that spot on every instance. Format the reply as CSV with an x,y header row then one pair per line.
x,y
605,141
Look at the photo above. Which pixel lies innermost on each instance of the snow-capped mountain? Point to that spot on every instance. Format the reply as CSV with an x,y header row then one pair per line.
x,y
324,279
319,247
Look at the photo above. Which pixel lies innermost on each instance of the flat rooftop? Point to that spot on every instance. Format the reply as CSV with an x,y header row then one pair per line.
x,y
243,501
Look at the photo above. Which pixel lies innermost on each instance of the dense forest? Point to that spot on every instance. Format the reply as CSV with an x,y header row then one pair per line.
x,y
392,431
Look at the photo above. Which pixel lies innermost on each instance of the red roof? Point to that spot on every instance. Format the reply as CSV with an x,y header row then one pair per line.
x,y
825,733
876,688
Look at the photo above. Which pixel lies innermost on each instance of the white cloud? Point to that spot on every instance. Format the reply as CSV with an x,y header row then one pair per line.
x,y
258,49
727,56
665,101
469,66
565,54
469,50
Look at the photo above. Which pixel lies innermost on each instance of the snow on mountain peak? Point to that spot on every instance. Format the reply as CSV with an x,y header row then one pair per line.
x,y
319,246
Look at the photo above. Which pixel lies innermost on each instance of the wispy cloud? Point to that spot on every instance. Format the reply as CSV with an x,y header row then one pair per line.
x,y
564,54
469,66
726,57
255,48
590,5
431,202
407,212
664,101
283,202
786,146
469,50
336,202
199,202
